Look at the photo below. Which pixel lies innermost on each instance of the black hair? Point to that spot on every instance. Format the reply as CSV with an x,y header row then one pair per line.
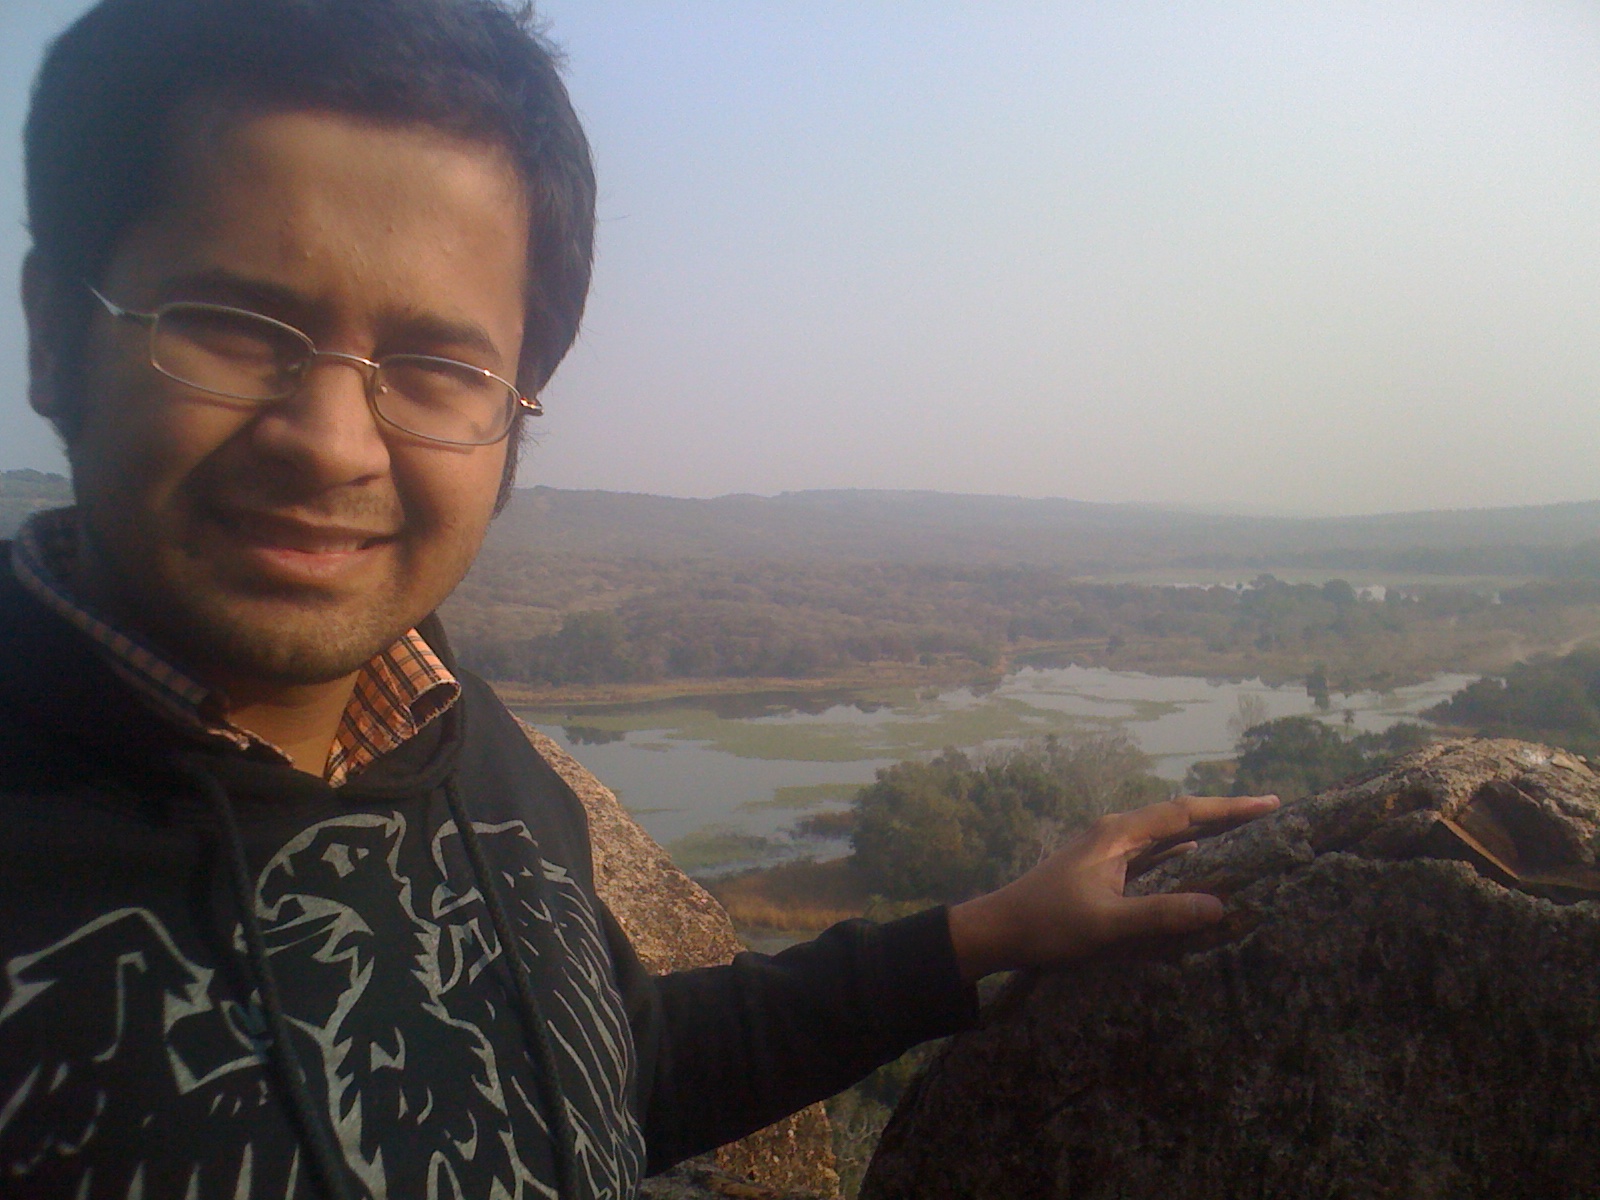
x,y
102,124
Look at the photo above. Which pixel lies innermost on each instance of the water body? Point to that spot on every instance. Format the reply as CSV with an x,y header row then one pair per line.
x,y
748,767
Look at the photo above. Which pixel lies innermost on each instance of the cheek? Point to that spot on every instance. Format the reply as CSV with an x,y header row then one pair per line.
x,y
451,494
122,442
141,444
487,470
448,509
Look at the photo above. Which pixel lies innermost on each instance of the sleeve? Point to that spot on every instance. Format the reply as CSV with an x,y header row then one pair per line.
x,y
724,1051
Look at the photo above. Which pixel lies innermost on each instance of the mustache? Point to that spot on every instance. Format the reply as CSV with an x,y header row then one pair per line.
x,y
356,509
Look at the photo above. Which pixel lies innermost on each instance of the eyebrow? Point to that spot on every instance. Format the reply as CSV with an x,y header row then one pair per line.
x,y
217,286
431,329
415,329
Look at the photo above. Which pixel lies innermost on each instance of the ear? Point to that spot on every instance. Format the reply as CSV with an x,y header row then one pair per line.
x,y
43,306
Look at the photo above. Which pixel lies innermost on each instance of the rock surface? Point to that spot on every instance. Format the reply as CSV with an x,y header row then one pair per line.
x,y
675,924
1403,1001
695,1181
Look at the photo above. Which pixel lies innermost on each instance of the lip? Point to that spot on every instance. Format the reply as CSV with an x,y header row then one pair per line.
x,y
309,551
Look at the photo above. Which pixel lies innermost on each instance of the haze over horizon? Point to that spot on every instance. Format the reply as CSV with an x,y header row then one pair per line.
x,y
1231,256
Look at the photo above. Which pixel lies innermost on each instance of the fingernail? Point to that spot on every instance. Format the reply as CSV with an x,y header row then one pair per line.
x,y
1206,908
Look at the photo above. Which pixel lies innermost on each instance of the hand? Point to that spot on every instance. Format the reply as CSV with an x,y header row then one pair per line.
x,y
1071,904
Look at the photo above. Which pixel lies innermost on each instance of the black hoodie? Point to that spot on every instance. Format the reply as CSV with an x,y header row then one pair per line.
x,y
224,978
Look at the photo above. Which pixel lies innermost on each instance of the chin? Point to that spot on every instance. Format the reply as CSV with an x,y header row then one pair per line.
x,y
298,647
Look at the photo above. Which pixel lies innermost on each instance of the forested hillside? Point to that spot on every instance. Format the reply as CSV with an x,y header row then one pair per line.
x,y
578,588
600,587
562,619
931,527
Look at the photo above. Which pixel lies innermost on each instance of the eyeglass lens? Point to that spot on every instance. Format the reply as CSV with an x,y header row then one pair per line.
x,y
229,352
250,357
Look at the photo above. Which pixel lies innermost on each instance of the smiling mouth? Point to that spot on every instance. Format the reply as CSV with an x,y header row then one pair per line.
x,y
270,531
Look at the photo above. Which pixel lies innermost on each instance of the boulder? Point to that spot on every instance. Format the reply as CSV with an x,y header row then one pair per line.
x,y
675,924
696,1181
1403,1001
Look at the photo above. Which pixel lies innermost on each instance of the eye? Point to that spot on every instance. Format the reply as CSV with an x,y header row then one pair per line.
x,y
228,351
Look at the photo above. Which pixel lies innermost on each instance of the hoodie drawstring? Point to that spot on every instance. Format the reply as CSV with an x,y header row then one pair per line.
x,y
563,1136
316,1130
316,1133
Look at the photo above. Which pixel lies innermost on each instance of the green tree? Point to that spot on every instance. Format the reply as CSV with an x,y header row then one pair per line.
x,y
590,647
915,830
1317,687
1554,700
1339,593
956,825
1297,756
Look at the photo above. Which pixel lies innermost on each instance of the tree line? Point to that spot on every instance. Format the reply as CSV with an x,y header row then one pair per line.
x,y
963,823
1551,700
1297,756
960,823
576,621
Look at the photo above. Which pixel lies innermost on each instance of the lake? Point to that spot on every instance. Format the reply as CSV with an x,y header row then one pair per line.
x,y
722,780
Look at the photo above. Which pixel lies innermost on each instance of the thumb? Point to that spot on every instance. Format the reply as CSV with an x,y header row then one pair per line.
x,y
1181,912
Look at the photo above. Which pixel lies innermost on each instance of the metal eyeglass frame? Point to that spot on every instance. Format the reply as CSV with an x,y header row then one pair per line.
x,y
368,368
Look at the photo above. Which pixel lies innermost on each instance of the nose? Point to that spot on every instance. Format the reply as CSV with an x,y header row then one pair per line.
x,y
327,431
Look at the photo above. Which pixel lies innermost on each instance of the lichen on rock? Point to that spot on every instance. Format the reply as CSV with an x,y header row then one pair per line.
x,y
1403,1001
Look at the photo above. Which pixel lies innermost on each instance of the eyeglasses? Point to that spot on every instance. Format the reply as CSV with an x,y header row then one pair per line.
x,y
246,356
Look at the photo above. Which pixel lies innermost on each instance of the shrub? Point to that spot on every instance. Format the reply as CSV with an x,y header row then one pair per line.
x,y
956,825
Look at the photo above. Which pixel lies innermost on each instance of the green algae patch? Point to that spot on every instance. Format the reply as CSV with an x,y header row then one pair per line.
x,y
718,846
798,797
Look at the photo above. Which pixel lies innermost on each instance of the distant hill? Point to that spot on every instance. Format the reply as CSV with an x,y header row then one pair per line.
x,y
26,491
582,589
933,527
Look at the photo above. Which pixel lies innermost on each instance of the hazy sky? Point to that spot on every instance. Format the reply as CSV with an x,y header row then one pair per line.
x,y
1292,257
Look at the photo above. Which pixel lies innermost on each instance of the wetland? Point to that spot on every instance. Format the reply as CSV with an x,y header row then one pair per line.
x,y
722,779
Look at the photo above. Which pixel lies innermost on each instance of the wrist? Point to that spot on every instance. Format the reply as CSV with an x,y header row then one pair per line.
x,y
981,936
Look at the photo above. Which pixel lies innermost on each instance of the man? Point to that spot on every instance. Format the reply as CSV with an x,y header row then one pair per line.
x,y
291,908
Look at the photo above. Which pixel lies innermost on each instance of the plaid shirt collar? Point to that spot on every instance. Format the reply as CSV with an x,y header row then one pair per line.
x,y
397,694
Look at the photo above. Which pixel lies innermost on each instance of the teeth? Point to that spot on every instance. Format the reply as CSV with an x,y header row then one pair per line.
x,y
266,531
317,546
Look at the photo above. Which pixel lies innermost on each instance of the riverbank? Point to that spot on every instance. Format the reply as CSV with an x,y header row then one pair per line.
x,y
729,780
793,898
870,677
1376,664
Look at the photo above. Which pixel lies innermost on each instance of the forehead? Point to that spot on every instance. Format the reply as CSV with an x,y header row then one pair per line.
x,y
339,210
201,126
320,155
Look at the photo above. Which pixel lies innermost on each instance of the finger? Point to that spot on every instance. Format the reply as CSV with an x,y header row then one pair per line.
x,y
1159,848
1254,806
1132,831
1158,855
1180,912
1268,800
1154,855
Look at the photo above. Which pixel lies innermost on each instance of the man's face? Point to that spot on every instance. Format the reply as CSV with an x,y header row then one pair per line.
x,y
288,543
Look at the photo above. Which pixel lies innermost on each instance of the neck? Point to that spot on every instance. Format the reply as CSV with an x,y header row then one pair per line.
x,y
301,720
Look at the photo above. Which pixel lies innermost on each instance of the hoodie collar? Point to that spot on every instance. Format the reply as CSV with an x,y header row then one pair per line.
x,y
398,694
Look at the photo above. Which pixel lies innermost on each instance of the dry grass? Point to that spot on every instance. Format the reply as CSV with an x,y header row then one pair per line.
x,y
801,897
757,914
948,672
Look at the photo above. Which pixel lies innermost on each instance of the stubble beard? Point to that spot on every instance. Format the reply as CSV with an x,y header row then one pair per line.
x,y
225,632
291,644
